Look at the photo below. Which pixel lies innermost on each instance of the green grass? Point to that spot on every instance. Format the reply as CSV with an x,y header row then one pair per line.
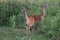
x,y
12,17
7,33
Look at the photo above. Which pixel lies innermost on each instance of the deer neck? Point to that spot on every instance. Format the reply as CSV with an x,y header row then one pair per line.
x,y
26,15
43,12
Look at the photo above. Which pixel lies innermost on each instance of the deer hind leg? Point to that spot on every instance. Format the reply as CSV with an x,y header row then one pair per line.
x,y
32,29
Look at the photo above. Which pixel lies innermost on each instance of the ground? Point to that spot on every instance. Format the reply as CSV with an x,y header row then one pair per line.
x,y
7,33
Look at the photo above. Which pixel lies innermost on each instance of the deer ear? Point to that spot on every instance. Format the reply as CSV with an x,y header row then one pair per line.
x,y
44,6
41,6
22,10
30,7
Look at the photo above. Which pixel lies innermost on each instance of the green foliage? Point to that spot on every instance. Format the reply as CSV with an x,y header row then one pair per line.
x,y
11,15
12,21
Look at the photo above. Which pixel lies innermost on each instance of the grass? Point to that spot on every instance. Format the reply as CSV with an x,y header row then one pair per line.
x,y
12,16
7,33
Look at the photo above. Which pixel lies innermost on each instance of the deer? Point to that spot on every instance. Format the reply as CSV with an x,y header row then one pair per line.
x,y
32,19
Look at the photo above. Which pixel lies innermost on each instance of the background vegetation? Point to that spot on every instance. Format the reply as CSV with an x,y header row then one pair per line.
x,y
12,20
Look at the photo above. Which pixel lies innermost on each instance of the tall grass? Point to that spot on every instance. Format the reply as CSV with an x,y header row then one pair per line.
x,y
11,15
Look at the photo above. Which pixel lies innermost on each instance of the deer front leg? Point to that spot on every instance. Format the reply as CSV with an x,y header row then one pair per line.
x,y
27,30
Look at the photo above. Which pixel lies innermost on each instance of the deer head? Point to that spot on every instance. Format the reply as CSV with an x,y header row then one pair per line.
x,y
24,10
43,9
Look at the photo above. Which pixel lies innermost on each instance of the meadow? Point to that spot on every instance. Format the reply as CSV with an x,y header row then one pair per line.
x,y
12,20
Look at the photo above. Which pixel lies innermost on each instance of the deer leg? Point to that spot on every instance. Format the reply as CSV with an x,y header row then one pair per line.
x,y
32,29
27,29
